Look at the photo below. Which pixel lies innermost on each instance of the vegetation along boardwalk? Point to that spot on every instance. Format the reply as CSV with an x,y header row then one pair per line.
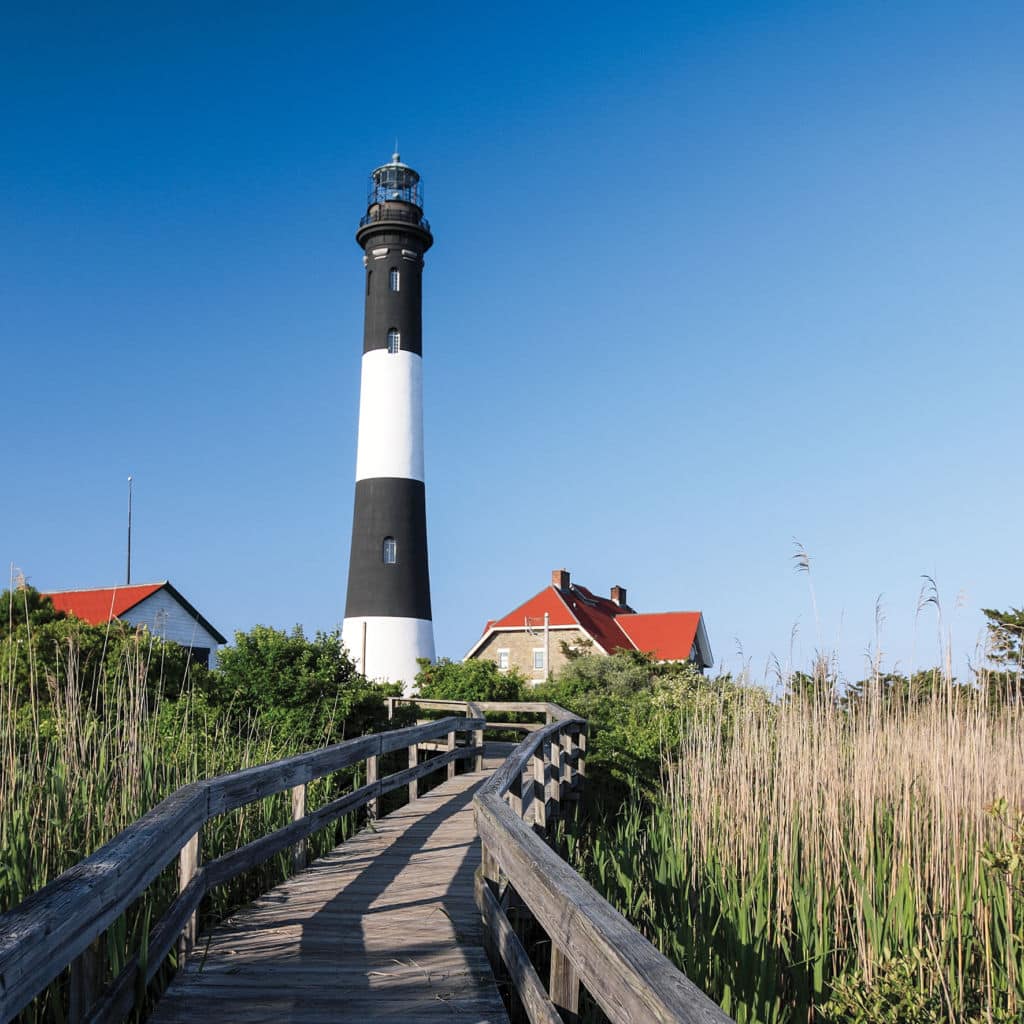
x,y
403,922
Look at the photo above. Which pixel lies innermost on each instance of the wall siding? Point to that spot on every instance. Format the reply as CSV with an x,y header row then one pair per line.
x,y
166,619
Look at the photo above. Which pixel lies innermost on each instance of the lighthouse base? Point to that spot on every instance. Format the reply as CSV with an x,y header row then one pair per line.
x,y
385,648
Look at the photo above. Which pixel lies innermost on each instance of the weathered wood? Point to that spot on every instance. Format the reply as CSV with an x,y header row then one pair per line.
x,y
525,980
581,758
568,756
414,785
514,796
626,975
300,856
521,726
55,925
540,797
520,758
373,804
553,780
564,986
382,928
40,936
451,746
188,863
84,982
527,808
478,734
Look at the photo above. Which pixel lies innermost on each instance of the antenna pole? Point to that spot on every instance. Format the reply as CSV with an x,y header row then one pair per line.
x,y
128,579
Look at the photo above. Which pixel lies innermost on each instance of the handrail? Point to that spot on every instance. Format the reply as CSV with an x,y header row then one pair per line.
x,y
591,943
56,926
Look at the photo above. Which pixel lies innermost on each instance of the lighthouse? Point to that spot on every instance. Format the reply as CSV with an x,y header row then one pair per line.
x,y
387,610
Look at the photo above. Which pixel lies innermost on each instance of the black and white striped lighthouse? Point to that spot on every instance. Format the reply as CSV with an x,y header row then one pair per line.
x,y
387,611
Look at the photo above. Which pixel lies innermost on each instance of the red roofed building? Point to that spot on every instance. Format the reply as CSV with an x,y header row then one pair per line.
x,y
530,637
157,606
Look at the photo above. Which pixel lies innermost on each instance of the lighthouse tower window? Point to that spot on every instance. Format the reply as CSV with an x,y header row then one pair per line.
x,y
394,279
390,553
394,341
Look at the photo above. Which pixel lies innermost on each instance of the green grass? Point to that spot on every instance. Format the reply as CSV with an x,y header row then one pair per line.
x,y
81,759
806,863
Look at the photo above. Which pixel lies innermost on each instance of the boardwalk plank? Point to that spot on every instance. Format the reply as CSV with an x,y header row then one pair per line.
x,y
384,927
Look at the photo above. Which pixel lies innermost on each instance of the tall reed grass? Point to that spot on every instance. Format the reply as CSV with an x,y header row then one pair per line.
x,y
82,758
809,862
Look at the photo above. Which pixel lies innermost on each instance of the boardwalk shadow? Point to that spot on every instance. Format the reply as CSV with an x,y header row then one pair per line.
x,y
383,928
401,940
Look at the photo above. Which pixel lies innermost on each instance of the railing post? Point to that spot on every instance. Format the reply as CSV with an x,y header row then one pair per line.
x,y
564,986
526,795
540,816
451,763
86,981
414,786
478,742
373,805
553,759
568,755
188,862
515,796
300,857
581,756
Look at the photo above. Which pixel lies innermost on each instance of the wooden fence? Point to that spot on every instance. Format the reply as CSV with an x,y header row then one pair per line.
x,y
517,810
591,943
60,924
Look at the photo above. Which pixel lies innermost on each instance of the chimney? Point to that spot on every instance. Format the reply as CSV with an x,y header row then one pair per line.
x,y
560,579
619,596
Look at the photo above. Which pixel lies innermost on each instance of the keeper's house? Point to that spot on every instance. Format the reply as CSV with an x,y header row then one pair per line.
x,y
531,637
157,606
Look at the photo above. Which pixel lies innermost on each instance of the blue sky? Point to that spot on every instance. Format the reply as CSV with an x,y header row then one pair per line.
x,y
706,278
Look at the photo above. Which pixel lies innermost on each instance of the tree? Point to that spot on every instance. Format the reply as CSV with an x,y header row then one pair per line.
x,y
25,607
1005,634
45,652
309,689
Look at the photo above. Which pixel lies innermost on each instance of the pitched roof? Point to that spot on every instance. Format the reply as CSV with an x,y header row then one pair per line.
x,y
670,636
101,604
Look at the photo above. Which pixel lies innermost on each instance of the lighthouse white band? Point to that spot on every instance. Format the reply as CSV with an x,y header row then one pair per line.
x,y
387,648
390,416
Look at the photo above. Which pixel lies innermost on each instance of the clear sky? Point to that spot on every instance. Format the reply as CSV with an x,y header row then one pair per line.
x,y
706,278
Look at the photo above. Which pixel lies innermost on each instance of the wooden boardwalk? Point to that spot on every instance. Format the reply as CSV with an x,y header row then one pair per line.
x,y
382,928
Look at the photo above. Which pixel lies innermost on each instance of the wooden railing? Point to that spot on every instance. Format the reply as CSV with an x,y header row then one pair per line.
x,y
591,944
60,924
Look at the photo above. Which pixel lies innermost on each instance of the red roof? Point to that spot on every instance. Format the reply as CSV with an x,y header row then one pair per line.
x,y
548,600
102,604
670,636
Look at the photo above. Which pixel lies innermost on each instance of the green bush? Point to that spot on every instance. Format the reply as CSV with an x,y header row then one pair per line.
x,y
469,680
306,691
634,707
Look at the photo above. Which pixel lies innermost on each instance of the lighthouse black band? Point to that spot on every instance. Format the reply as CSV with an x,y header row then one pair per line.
x,y
386,308
389,507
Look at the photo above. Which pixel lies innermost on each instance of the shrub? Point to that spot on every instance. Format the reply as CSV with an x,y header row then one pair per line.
x,y
468,680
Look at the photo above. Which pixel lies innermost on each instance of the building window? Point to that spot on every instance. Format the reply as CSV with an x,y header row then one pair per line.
x,y
394,279
503,659
394,341
390,554
538,659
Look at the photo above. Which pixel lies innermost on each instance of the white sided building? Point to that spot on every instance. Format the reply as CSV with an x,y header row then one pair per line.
x,y
157,606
